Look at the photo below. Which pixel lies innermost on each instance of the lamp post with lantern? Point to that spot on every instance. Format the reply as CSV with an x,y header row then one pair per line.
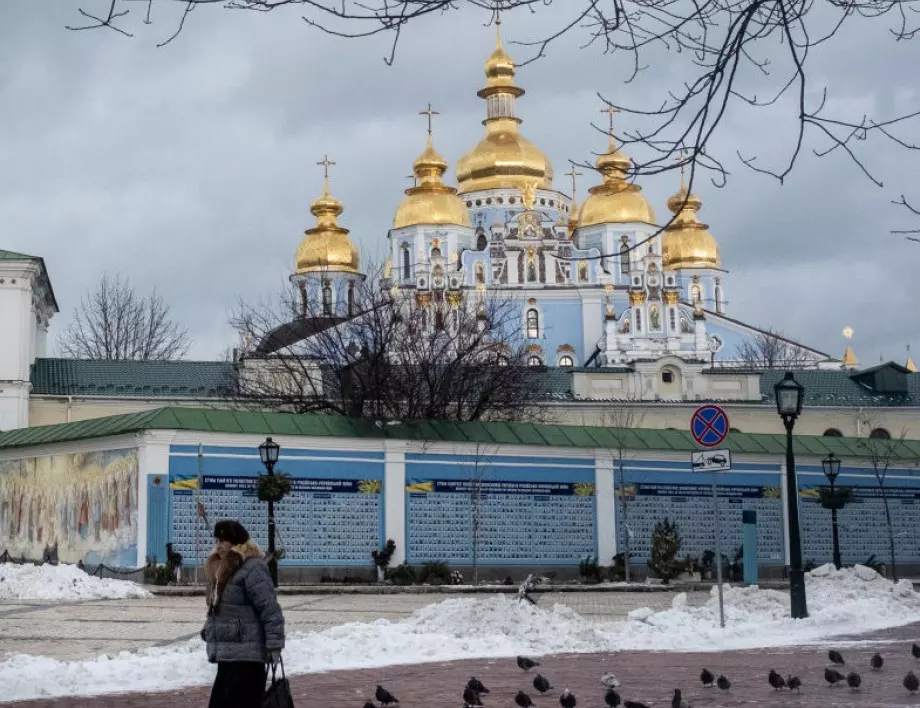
x,y
789,397
269,452
834,500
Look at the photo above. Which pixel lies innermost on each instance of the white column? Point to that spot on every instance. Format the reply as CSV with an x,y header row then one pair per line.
x,y
605,500
152,459
394,497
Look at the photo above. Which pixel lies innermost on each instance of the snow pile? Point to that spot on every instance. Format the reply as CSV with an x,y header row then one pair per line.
x,y
61,582
840,602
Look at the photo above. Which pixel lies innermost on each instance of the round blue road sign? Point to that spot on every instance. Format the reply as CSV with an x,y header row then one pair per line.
x,y
709,426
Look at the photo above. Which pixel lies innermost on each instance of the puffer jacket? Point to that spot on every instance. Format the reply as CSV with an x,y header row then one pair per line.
x,y
244,621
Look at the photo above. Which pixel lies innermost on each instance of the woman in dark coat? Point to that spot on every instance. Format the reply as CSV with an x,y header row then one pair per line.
x,y
245,628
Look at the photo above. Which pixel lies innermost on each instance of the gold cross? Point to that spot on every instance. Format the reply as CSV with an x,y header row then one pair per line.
x,y
430,113
414,180
573,174
610,110
325,163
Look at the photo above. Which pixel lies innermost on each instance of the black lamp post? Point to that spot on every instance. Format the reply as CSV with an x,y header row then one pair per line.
x,y
831,465
789,396
269,451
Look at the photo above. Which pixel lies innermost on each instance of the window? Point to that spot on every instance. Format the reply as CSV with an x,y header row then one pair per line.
x,y
531,271
667,377
734,430
481,242
327,299
832,433
718,298
351,299
672,319
638,320
439,319
566,361
480,273
624,259
880,434
534,360
533,324
435,252
695,293
406,265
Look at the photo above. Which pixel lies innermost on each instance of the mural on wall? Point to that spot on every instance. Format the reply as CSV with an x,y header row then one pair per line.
x,y
83,503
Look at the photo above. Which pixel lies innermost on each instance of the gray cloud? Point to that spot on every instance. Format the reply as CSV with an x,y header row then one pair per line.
x,y
191,168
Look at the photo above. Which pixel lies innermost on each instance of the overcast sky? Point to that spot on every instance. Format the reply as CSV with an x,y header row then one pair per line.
x,y
191,168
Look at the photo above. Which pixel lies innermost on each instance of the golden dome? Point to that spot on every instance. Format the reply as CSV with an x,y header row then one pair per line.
x,y
686,242
430,201
615,201
503,158
326,247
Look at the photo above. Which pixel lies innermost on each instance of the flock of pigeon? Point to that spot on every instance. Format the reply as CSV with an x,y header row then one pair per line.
x,y
474,689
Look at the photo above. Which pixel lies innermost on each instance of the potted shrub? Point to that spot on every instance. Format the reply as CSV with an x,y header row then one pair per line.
x,y
666,544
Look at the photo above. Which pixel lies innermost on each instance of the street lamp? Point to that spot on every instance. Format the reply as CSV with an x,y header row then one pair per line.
x,y
789,396
269,451
831,465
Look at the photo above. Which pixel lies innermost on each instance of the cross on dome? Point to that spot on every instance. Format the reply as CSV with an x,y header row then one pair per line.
x,y
610,110
573,174
325,163
430,113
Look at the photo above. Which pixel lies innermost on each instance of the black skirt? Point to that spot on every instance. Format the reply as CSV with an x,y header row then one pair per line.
x,y
239,684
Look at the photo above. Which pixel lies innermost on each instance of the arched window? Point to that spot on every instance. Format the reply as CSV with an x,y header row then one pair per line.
x,y
439,319
480,273
696,294
435,252
734,430
880,434
832,433
624,259
638,320
406,264
481,242
351,299
534,360
533,324
672,319
531,271
327,299
566,361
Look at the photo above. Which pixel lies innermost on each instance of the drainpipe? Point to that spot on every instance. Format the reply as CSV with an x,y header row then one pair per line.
x,y
69,406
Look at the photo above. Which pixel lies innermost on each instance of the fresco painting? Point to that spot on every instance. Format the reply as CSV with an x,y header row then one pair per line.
x,y
84,503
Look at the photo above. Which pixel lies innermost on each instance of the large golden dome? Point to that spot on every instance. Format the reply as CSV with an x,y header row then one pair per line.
x,y
326,247
503,158
686,242
431,201
615,201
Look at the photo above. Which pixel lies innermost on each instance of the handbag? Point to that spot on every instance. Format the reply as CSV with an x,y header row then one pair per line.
x,y
278,695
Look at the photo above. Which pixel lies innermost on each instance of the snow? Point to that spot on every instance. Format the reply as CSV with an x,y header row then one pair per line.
x,y
840,602
61,582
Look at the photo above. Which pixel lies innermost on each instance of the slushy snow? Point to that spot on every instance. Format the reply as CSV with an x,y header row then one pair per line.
x,y
61,582
848,601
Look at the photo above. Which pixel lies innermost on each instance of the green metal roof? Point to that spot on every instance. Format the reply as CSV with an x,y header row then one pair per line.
x,y
837,388
13,256
254,423
132,379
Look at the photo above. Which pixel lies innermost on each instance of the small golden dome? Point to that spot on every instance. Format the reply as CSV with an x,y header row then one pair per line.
x,y
431,201
686,242
326,247
615,201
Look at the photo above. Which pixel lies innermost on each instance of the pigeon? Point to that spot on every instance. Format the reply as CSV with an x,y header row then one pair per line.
x,y
794,683
853,680
911,682
723,683
567,699
608,680
634,704
776,680
876,662
677,701
476,685
471,697
612,698
836,657
833,677
526,664
523,700
541,684
707,678
915,650
385,697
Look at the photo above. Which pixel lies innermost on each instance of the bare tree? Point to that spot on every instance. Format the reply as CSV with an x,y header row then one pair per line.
x,y
114,322
734,55
881,451
400,357
769,349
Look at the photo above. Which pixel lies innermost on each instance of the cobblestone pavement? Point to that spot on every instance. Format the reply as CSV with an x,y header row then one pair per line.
x,y
649,677
85,629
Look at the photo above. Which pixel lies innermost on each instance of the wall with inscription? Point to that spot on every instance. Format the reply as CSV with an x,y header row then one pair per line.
x,y
647,492
333,516
515,510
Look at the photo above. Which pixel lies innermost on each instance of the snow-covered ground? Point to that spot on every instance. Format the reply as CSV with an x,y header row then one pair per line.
x,y
61,582
840,602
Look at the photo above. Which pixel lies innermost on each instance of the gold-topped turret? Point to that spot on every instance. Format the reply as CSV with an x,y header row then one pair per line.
x,y
327,247
615,201
686,242
503,158
430,201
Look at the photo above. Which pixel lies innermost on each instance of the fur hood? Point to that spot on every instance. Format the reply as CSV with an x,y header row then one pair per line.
x,y
221,565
